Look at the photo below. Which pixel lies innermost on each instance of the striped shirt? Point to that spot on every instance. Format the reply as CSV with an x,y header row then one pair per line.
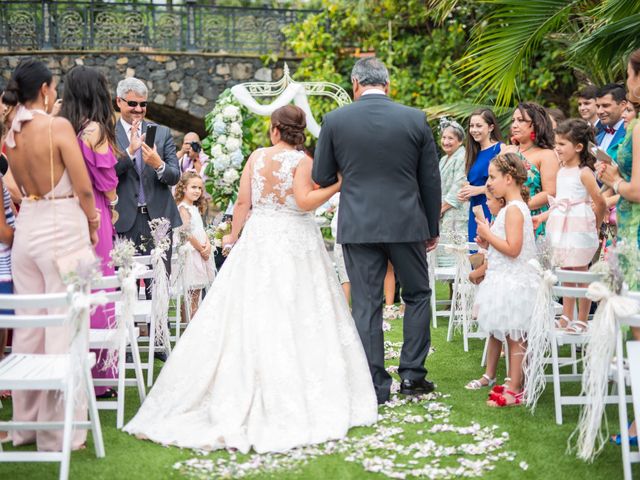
x,y
5,250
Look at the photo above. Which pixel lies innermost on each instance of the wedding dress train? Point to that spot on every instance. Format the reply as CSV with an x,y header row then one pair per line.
x,y
272,359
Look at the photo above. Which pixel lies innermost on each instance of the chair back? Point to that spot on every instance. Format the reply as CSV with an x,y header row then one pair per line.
x,y
572,276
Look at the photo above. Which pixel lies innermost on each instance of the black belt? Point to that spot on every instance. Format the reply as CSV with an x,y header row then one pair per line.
x,y
143,209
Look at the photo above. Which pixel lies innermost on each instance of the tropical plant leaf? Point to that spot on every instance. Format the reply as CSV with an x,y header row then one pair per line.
x,y
507,39
461,111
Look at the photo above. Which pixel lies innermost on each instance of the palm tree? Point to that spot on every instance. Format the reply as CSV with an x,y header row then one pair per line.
x,y
596,36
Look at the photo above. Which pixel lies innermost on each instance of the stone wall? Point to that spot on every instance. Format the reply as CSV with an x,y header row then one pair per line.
x,y
183,88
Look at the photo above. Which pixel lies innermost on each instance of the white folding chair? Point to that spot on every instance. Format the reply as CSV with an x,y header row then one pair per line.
x,y
143,312
622,378
439,274
106,338
177,294
48,372
560,338
460,282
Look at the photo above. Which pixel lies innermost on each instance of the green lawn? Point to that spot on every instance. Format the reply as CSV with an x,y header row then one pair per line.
x,y
536,440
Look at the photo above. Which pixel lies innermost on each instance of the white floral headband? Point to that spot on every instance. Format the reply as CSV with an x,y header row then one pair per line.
x,y
446,122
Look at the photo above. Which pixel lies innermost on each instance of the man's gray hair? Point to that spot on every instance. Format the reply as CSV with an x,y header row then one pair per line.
x,y
370,71
131,84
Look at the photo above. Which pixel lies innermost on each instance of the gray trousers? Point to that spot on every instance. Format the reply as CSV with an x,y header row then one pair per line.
x,y
367,265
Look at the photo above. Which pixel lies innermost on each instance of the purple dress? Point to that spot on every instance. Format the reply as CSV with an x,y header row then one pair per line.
x,y
101,167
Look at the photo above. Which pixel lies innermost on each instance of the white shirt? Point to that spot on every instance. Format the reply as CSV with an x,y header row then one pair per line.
x,y
608,137
373,91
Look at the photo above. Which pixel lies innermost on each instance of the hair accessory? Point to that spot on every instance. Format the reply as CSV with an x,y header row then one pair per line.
x,y
446,122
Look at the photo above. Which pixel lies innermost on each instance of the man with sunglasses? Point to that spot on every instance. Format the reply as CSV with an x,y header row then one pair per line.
x,y
145,174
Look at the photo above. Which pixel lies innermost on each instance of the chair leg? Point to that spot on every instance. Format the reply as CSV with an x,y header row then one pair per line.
x,y
506,354
622,408
137,364
68,429
94,417
121,383
574,359
556,381
452,315
434,316
178,315
483,361
152,351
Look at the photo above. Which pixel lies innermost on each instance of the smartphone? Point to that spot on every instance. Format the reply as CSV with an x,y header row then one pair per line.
x,y
478,212
150,136
600,154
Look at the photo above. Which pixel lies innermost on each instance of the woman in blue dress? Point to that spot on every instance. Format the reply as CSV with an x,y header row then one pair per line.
x,y
483,144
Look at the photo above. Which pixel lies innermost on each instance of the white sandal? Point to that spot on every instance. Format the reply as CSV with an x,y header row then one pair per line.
x,y
577,327
477,384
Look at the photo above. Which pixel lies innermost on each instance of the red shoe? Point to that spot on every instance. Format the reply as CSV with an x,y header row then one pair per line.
x,y
499,399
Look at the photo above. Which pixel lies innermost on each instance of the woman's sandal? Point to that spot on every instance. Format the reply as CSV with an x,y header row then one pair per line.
x,y
577,327
109,394
477,383
499,400
562,322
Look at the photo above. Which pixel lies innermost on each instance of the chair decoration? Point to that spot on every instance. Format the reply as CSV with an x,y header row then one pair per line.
x,y
127,270
542,321
464,294
599,351
180,278
160,231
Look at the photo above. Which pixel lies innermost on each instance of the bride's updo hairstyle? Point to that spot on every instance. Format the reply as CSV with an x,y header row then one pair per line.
x,y
25,82
290,122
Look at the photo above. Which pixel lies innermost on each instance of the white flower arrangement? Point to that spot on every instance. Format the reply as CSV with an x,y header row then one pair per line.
x,y
227,159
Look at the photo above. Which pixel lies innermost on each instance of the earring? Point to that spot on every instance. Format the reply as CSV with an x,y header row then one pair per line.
x,y
532,136
46,103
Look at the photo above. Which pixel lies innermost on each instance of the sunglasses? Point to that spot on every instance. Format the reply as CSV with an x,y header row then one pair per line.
x,y
134,104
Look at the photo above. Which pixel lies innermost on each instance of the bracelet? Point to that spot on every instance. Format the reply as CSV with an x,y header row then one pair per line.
x,y
616,186
114,202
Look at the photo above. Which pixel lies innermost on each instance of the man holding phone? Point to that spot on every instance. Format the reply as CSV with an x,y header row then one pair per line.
x,y
147,168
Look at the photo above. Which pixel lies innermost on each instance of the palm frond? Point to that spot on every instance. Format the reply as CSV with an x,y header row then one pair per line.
x,y
506,40
441,9
461,111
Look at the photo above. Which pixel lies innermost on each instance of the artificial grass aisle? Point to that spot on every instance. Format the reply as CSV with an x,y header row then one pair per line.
x,y
536,440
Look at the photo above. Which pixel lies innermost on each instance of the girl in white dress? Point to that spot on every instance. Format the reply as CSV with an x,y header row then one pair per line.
x,y
506,297
272,360
199,268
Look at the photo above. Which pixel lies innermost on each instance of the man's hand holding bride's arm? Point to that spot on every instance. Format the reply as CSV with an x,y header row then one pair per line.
x,y
306,195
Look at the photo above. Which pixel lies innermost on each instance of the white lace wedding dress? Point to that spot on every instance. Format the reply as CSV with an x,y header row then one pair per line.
x,y
272,359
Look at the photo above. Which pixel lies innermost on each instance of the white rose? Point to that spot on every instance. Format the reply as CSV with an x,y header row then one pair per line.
x,y
222,139
230,112
235,129
232,144
230,176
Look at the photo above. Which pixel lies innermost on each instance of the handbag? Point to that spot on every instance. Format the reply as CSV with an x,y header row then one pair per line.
x,y
67,263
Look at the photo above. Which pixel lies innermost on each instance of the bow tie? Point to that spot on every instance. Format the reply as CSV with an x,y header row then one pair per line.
x,y
609,130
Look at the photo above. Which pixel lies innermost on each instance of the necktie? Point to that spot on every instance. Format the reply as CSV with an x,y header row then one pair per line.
x,y
609,130
139,166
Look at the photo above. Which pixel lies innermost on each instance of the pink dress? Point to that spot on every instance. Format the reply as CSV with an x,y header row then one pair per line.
x,y
101,167
571,228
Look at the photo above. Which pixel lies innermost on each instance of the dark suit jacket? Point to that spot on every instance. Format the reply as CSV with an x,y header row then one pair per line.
x,y
618,137
160,202
391,181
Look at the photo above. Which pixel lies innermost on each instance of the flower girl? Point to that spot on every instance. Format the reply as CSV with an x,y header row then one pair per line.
x,y
199,267
572,225
506,297
488,378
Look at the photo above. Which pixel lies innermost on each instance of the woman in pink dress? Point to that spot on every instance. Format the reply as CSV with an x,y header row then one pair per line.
x,y
87,105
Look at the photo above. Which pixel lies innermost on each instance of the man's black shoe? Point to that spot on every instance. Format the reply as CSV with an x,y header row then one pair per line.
x,y
160,356
416,387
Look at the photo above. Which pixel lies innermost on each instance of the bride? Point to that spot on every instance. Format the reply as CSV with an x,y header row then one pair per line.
x,y
272,359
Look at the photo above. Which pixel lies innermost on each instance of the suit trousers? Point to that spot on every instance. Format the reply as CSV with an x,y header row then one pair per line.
x,y
367,265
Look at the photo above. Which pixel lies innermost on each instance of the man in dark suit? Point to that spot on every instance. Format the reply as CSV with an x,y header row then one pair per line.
x,y
389,211
611,101
145,175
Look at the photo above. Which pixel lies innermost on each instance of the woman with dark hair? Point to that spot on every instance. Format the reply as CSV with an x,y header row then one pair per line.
x,y
533,139
88,106
484,142
280,363
58,217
